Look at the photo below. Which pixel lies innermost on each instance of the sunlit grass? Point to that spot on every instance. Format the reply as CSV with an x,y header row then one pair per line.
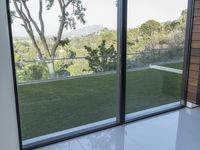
x,y
59,105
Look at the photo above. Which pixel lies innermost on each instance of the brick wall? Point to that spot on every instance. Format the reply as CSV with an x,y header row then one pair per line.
x,y
194,66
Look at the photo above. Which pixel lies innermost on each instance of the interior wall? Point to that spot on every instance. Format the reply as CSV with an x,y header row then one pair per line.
x,y
8,120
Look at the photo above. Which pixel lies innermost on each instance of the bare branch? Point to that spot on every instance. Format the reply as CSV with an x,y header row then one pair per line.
x,y
30,17
27,27
40,16
14,15
66,20
65,5
42,36
60,30
40,32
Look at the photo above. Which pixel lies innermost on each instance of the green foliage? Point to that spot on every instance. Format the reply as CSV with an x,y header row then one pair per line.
x,y
34,71
64,42
61,67
94,39
149,27
144,43
49,3
102,58
183,15
78,68
76,15
71,12
23,50
171,26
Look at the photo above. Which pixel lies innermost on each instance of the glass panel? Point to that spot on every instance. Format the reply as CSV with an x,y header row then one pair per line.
x,y
155,46
65,56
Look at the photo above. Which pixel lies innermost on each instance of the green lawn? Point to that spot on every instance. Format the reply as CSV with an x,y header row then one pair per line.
x,y
60,105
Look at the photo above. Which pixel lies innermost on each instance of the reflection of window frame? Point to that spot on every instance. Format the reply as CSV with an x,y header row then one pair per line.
x,y
121,117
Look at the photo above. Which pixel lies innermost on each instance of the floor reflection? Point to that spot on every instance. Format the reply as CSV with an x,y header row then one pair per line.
x,y
178,130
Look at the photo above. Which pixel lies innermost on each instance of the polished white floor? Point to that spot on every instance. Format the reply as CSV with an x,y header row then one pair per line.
x,y
177,130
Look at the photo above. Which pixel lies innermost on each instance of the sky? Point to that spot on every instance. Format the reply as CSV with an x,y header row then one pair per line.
x,y
104,12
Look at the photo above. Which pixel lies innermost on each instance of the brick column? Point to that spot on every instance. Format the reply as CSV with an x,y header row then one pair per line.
x,y
193,89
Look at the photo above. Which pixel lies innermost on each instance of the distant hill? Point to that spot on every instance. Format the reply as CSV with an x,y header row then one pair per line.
x,y
83,31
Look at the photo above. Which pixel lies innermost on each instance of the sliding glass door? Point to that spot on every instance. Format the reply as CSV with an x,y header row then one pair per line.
x,y
78,72
155,47
65,60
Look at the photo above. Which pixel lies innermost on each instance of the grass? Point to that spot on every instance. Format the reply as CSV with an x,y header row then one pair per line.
x,y
60,105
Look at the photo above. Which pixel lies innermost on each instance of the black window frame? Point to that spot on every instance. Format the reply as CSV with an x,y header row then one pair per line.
x,y
121,82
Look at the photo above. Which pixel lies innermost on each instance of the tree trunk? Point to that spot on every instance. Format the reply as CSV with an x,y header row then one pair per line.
x,y
51,68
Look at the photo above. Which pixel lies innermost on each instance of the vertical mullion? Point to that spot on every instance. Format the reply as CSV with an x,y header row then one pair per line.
x,y
187,49
121,66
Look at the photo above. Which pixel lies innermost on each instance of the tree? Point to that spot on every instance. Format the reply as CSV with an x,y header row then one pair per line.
x,y
149,27
102,58
70,12
183,17
34,71
171,26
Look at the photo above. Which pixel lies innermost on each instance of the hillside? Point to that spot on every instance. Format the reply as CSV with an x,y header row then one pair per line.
x,y
83,31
